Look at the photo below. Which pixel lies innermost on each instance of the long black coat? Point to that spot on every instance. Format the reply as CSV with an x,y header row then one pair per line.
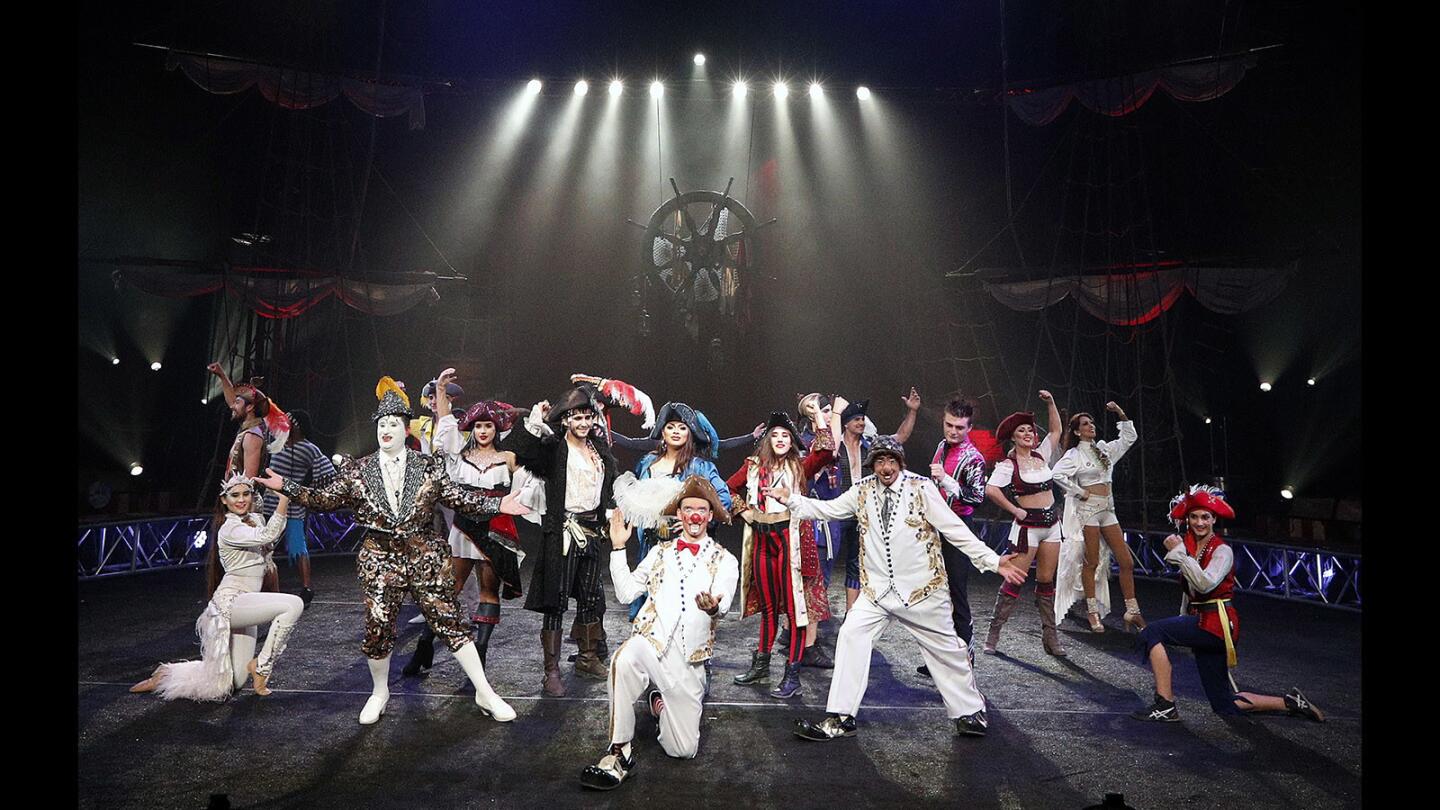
x,y
547,459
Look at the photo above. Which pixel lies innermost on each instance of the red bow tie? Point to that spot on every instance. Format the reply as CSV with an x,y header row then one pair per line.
x,y
681,545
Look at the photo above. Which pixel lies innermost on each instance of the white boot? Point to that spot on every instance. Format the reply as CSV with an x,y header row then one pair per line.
x,y
485,697
380,693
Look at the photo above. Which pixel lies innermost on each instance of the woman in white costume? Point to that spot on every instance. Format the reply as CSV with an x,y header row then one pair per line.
x,y
1084,473
227,628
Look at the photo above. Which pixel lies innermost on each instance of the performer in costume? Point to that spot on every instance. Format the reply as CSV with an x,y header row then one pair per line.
x,y
264,428
688,584
780,570
850,454
683,439
1036,531
240,549
556,443
1084,474
425,426
393,493
958,470
1208,623
902,579
491,548
302,460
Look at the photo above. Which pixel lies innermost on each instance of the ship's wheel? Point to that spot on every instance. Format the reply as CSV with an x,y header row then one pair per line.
x,y
696,256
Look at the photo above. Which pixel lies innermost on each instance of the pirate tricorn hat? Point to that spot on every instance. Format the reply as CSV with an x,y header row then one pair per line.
x,y
699,487
580,396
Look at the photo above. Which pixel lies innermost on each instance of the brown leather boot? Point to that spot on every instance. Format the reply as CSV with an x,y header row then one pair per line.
x,y
1004,604
550,643
1048,634
588,664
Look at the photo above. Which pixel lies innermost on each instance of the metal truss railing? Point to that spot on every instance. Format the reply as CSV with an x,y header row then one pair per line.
x,y
117,549
1269,569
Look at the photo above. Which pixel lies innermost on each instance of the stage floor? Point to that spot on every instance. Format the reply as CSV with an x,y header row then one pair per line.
x,y
1060,735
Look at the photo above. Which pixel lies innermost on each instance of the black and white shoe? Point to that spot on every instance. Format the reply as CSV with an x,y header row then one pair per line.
x,y
834,725
1300,707
972,725
1161,711
610,771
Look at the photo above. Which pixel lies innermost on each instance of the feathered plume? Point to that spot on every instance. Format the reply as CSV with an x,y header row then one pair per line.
x,y
642,501
630,398
277,423
387,384
990,449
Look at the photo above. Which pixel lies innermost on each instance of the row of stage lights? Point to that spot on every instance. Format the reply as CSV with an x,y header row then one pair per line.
x,y
740,89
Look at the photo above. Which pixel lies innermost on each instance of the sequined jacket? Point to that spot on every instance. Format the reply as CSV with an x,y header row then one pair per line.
x,y
902,557
671,579
361,488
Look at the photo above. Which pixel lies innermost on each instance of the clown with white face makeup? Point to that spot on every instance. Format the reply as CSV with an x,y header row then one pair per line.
x,y
393,493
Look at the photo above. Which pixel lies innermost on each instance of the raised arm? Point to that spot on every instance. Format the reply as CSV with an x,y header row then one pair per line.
x,y
448,440
841,507
225,385
629,585
524,442
242,535
912,407
1056,427
1118,447
821,455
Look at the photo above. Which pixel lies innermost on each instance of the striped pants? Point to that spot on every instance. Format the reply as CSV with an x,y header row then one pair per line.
x,y
772,584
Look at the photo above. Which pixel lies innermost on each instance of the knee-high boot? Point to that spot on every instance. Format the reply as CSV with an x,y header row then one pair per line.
x,y
489,616
588,664
1045,601
550,643
1004,605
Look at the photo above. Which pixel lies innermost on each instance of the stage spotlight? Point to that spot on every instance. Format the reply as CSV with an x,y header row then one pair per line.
x,y
656,89
1310,381
582,87
1264,386
862,92
699,59
616,88
155,366
1287,493
204,400
1207,420
200,539
816,91
533,88
136,469
741,89
781,91
114,361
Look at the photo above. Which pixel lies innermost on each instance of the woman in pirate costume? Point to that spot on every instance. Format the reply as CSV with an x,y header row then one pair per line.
x,y
1036,531
393,493
1085,474
490,548
1208,623
780,569
227,629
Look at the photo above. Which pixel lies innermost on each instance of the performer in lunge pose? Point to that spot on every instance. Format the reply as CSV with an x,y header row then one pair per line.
x,y
780,571
958,469
689,584
1036,531
902,579
850,453
1085,473
240,550
393,493
1208,623
490,548
556,443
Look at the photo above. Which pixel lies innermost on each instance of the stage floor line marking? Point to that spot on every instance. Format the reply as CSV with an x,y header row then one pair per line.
x,y
708,703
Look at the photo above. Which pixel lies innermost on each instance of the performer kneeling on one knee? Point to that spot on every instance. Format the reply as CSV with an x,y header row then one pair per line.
x,y
902,579
242,545
1208,623
393,493
688,585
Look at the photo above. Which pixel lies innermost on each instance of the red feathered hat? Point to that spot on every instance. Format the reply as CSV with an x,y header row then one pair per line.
x,y
1201,497
1011,422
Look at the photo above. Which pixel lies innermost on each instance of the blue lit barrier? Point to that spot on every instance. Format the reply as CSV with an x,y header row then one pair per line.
x,y
133,547
1270,569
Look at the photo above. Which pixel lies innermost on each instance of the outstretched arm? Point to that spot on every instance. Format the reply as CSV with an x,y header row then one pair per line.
x,y
338,493
912,407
